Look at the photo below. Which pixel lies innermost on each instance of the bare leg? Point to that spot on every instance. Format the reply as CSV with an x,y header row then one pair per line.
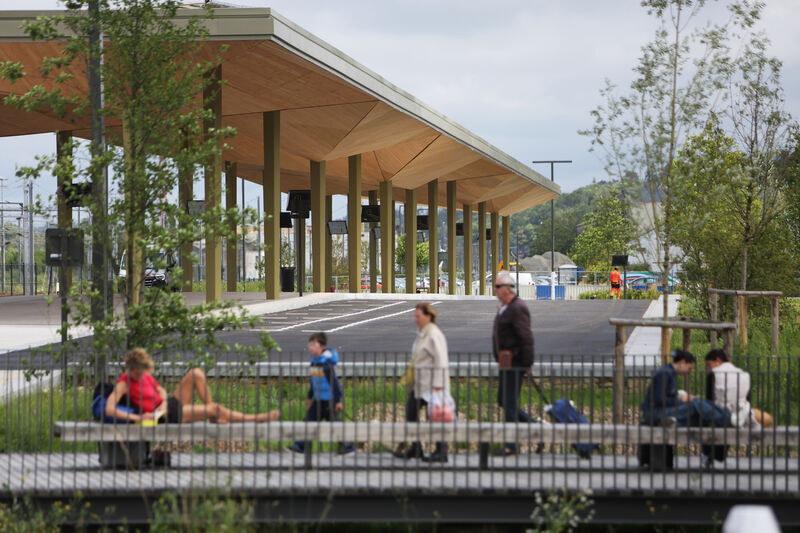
x,y
194,380
222,415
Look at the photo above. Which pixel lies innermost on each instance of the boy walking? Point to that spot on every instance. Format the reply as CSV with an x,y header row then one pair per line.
x,y
324,399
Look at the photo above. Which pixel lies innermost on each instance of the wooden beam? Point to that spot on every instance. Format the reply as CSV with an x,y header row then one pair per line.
x,y
387,250
495,218
433,235
230,245
272,201
451,236
354,222
318,222
482,247
212,98
467,219
411,241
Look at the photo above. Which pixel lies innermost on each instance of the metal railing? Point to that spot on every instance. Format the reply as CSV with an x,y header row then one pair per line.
x,y
51,438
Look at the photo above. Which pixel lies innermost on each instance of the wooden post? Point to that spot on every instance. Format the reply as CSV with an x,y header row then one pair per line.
x,y
354,221
318,222
433,235
271,181
741,302
727,345
411,241
231,269
714,304
687,340
775,326
373,247
619,374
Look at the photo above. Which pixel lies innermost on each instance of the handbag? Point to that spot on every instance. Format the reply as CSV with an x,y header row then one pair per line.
x,y
763,417
441,407
504,358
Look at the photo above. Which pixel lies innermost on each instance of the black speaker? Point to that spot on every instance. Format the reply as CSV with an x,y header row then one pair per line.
x,y
488,234
299,204
337,227
619,260
370,213
286,219
422,222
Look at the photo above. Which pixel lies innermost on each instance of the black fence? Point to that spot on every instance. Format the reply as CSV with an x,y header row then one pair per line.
x,y
53,439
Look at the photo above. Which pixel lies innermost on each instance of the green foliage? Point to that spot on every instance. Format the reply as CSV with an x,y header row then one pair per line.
x,y
153,71
559,511
189,512
608,229
423,258
603,294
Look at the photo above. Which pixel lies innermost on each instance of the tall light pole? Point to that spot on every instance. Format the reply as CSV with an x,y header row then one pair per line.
x,y
552,224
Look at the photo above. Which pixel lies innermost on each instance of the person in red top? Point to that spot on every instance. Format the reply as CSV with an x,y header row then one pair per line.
x,y
614,277
150,399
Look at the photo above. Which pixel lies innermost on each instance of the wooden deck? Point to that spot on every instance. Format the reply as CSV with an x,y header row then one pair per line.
x,y
282,473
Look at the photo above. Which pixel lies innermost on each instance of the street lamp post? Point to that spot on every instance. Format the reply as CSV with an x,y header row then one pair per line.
x,y
552,228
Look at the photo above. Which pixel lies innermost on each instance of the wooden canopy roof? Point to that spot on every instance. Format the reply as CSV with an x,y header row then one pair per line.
x,y
331,108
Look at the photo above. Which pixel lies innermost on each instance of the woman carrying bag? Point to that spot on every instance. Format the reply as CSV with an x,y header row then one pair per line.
x,y
427,382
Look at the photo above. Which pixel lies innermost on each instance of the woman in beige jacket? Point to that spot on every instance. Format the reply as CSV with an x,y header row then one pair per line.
x,y
428,373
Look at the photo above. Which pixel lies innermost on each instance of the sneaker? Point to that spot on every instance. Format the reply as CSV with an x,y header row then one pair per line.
x,y
505,452
669,422
435,457
296,448
344,450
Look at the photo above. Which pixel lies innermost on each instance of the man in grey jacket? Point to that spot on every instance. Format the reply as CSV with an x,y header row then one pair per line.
x,y
512,343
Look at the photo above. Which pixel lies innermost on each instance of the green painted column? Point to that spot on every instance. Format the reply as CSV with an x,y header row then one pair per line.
x,y
507,243
64,211
185,195
387,252
354,221
433,235
318,222
411,241
373,248
451,237
230,244
212,96
272,203
482,247
328,244
467,210
495,246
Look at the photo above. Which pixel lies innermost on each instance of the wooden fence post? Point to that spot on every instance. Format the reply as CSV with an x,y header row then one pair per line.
x,y
727,345
741,300
687,340
619,374
714,304
775,326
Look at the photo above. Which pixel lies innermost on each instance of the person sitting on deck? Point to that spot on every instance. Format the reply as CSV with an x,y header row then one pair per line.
x,y
151,402
663,405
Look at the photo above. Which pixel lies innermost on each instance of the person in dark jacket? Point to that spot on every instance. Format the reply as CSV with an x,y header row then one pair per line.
x,y
324,398
512,342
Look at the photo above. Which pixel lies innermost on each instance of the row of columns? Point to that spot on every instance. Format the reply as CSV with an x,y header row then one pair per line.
x,y
321,207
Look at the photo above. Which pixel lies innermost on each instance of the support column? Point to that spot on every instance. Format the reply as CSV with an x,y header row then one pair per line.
x,y
212,97
328,244
185,195
451,237
393,287
387,251
354,221
135,261
230,245
64,211
373,248
507,243
495,247
272,201
482,247
467,210
433,235
411,241
318,219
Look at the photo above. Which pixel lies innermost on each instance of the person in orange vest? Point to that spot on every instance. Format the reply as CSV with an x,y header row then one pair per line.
x,y
615,280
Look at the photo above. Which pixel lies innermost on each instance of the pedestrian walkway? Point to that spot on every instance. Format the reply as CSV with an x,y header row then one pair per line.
x,y
643,349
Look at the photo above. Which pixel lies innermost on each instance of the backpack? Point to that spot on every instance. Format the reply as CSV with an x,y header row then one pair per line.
x,y
101,393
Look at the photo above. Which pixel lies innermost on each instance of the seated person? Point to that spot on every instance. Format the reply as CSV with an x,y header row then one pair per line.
x,y
663,405
151,402
728,387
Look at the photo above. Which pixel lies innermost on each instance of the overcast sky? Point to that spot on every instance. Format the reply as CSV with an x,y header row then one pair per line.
x,y
523,74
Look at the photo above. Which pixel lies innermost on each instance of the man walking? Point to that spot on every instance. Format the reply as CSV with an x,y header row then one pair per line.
x,y
512,341
614,278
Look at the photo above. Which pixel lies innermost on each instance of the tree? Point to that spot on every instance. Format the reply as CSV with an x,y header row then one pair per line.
x,y
607,230
423,259
153,71
763,130
678,75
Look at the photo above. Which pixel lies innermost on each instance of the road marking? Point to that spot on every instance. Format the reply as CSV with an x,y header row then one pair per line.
x,y
372,319
333,318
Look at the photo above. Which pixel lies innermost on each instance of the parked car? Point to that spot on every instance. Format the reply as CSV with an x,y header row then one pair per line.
x,y
158,272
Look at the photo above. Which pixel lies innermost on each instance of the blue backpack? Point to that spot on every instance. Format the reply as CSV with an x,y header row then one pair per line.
x,y
563,412
101,393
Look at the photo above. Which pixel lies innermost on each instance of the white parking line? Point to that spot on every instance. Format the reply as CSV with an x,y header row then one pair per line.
x,y
332,318
371,319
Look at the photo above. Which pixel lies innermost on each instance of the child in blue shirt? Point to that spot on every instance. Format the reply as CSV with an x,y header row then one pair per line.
x,y
324,398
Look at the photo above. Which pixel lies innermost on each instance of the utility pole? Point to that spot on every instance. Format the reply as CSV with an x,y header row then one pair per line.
x,y
552,229
30,275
